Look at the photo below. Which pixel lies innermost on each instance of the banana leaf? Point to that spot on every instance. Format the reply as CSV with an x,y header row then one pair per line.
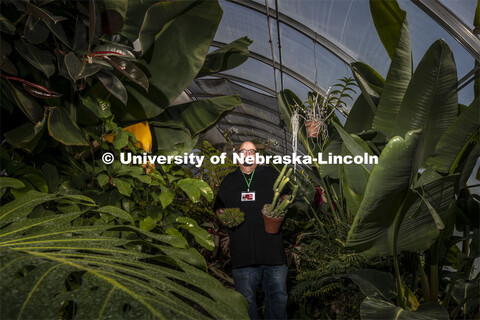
x,y
373,308
430,101
453,141
398,78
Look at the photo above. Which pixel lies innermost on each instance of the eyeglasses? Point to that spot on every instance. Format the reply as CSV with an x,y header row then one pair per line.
x,y
251,151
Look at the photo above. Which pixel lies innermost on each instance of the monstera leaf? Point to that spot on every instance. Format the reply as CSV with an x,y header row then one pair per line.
x,y
52,265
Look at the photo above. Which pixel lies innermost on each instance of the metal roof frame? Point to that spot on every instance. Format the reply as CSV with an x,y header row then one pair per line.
x,y
292,23
450,22
297,76
247,101
251,83
235,124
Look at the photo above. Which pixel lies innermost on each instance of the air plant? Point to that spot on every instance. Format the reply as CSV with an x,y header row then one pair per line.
x,y
278,208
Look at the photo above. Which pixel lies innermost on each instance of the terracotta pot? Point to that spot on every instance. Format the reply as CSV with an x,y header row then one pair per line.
x,y
272,225
313,128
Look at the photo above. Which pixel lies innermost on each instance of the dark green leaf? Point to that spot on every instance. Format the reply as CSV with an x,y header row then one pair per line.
x,y
6,26
27,135
430,101
194,188
452,142
43,14
78,69
41,59
113,85
377,309
398,79
388,19
116,212
35,30
189,35
130,70
156,18
227,57
200,115
63,129
101,110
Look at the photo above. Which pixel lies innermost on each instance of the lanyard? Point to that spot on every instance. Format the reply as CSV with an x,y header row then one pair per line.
x,y
249,181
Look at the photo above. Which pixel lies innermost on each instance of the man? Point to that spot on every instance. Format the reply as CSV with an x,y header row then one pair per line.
x,y
257,256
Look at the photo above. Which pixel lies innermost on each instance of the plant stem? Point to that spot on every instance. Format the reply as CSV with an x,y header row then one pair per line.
x,y
424,281
21,18
396,228
434,273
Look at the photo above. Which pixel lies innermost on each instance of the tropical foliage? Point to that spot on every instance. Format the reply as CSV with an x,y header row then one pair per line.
x,y
408,205
82,239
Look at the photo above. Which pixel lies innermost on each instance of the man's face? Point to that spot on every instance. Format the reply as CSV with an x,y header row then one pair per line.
x,y
247,154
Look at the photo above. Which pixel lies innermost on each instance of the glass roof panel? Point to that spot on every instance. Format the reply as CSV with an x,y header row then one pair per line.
x,y
463,9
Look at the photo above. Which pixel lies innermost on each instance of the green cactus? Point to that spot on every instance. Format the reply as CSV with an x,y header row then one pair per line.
x,y
274,209
232,217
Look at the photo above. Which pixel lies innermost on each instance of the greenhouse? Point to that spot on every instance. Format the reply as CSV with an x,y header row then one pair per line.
x,y
240,159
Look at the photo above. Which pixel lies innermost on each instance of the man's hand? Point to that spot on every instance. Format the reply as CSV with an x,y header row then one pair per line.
x,y
218,212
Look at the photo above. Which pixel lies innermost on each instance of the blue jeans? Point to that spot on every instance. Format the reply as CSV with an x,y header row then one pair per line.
x,y
274,284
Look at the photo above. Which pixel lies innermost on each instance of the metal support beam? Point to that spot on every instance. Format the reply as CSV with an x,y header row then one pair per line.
x,y
452,25
297,76
251,83
244,100
224,122
283,18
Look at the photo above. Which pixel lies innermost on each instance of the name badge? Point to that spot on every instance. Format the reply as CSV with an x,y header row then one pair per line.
x,y
248,196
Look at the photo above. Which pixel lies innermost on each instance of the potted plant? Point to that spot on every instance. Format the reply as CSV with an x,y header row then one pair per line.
x,y
274,213
232,217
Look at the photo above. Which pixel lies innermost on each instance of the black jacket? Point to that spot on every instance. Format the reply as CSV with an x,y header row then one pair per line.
x,y
250,244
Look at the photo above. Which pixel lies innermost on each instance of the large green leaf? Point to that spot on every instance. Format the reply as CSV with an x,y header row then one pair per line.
x,y
27,135
165,137
386,189
78,69
397,81
377,309
157,17
133,24
98,274
194,188
198,116
420,224
370,82
354,147
202,236
226,57
463,289
188,36
63,129
451,144
35,30
389,20
430,101
43,60
26,103
360,117
113,85
374,283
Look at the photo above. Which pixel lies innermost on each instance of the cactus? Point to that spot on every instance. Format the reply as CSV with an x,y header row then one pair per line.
x,y
232,217
274,209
